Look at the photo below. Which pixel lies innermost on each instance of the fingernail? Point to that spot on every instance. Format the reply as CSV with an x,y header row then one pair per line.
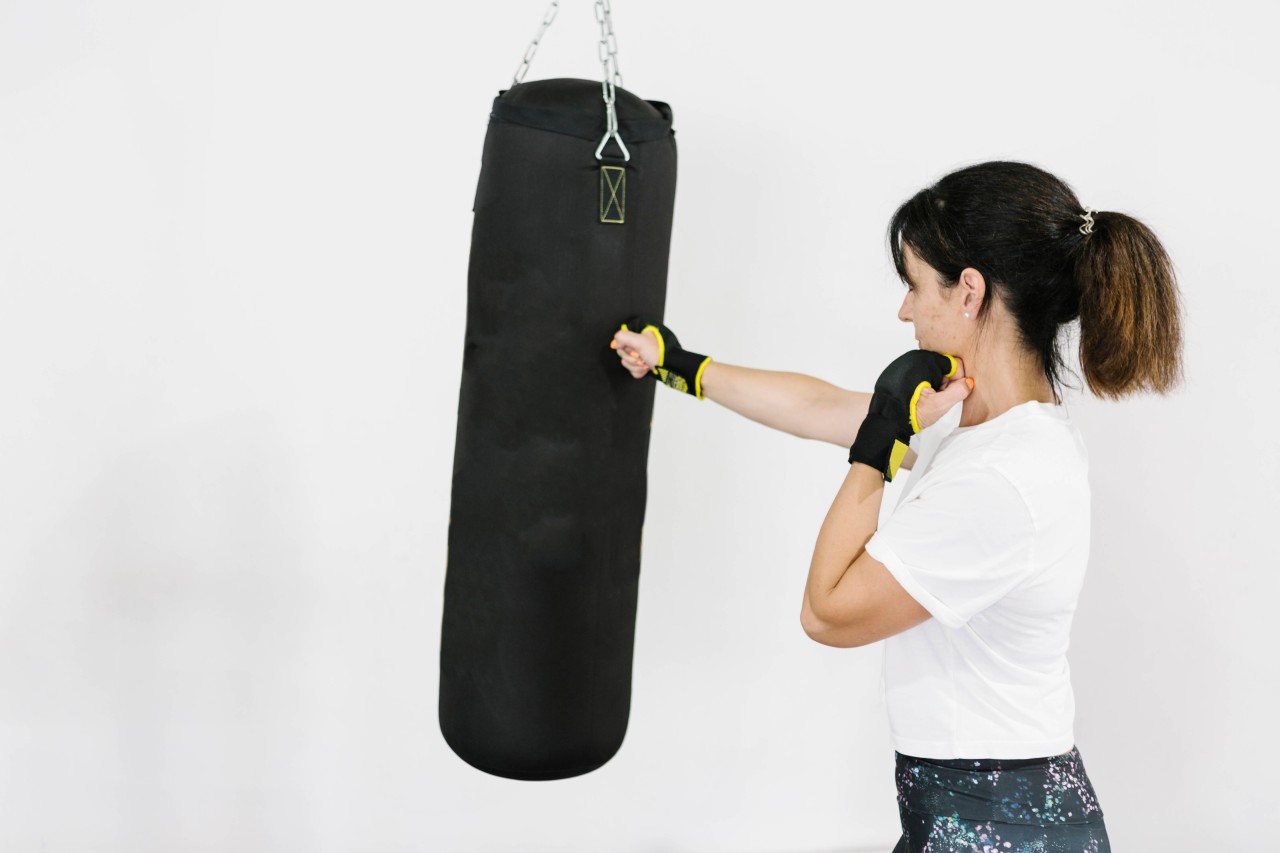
x,y
613,344
969,381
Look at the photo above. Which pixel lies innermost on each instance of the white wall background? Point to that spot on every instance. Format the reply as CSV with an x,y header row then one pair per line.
x,y
233,254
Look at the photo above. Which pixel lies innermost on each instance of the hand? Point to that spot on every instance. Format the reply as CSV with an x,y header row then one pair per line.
x,y
638,352
932,405
912,393
646,345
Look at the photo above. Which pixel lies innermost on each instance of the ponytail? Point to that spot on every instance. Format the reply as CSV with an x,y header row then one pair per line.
x,y
1049,260
1130,324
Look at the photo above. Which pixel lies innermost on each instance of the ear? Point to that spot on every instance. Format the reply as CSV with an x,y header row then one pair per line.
x,y
972,289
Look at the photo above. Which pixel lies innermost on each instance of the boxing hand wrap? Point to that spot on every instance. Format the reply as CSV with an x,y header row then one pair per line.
x,y
885,435
677,368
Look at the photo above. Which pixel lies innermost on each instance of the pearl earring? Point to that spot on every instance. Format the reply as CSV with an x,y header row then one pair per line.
x,y
966,315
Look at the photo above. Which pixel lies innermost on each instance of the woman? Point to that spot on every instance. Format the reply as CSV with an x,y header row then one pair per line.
x,y
973,580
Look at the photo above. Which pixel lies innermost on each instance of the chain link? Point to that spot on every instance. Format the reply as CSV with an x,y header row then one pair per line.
x,y
608,47
552,11
606,51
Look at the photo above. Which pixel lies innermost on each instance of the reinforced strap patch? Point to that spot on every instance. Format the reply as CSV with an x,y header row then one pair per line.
x,y
613,194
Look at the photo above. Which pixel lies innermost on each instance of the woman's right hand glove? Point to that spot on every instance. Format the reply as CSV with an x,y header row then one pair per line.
x,y
893,415
659,352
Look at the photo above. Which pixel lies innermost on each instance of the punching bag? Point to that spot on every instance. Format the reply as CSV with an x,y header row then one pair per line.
x,y
569,239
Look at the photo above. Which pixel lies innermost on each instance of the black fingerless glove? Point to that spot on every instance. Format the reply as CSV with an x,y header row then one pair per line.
x,y
884,437
676,367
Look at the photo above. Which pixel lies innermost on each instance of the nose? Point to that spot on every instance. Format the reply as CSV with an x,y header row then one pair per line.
x,y
904,313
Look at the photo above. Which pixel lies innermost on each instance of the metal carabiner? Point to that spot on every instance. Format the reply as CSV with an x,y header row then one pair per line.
x,y
611,128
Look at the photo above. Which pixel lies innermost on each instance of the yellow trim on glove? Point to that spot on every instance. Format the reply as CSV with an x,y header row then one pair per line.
x,y
697,380
662,344
954,364
915,398
896,456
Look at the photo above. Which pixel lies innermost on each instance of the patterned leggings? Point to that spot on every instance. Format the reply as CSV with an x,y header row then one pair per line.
x,y
1037,805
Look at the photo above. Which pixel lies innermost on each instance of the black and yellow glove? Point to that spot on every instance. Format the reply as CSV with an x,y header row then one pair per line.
x,y
885,435
677,368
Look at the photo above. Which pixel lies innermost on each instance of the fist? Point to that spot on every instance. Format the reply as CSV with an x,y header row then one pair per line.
x,y
932,403
913,392
637,352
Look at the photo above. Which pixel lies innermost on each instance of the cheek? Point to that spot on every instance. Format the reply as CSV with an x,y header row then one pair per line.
x,y
926,313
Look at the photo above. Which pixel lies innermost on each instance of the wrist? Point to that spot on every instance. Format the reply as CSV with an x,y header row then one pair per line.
x,y
881,444
682,370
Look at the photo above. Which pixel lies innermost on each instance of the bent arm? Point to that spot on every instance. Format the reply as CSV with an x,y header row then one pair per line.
x,y
795,403
850,598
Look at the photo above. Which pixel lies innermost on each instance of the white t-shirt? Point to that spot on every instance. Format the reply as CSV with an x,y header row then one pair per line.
x,y
991,536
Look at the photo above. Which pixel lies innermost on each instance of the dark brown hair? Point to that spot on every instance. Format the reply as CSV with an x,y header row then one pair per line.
x,y
1021,228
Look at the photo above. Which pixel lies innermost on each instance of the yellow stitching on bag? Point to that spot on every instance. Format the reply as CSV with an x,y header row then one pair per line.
x,y
607,207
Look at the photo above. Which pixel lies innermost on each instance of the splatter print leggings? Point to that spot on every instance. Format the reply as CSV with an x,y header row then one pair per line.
x,y
1040,805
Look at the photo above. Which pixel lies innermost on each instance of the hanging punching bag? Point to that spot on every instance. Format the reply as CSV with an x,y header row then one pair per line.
x,y
570,237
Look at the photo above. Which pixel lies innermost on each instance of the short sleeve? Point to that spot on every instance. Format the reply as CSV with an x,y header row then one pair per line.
x,y
959,544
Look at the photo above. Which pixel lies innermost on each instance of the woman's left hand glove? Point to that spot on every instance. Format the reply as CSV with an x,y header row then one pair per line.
x,y
676,366
912,393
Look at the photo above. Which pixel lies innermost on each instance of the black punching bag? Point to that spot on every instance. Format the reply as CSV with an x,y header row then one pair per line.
x,y
553,434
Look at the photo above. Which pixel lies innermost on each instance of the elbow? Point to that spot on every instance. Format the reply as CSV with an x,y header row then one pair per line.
x,y
835,636
813,626
838,639
811,629
815,634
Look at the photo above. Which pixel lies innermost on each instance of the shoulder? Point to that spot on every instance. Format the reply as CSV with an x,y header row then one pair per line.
x,y
1039,455
974,481
1016,443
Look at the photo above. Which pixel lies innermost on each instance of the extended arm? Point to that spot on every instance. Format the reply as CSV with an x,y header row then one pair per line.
x,y
794,403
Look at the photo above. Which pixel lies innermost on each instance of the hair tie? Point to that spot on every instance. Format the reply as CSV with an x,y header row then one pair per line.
x,y
1087,216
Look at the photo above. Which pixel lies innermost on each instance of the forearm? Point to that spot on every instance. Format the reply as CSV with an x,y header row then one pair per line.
x,y
795,403
849,525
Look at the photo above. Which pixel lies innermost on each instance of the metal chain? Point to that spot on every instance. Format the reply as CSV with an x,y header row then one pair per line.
x,y
608,53
607,50
533,48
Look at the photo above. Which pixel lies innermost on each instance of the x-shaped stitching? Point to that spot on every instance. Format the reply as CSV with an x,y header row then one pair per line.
x,y
614,185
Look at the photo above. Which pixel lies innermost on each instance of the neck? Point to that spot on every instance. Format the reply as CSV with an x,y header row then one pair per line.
x,y
1003,377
